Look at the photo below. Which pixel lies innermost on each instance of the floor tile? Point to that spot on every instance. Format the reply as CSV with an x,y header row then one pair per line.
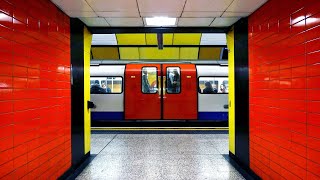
x,y
159,156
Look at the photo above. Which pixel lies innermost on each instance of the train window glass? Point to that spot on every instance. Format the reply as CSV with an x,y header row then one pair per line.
x,y
173,80
91,82
213,85
106,85
149,83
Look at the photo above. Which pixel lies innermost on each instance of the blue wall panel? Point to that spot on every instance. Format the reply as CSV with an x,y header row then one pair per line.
x,y
213,116
108,116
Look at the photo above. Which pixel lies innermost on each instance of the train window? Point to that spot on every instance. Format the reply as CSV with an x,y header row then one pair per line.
x,y
149,82
106,85
213,85
173,80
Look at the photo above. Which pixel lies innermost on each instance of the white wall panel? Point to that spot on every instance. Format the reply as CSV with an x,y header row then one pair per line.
x,y
107,102
204,70
212,102
107,70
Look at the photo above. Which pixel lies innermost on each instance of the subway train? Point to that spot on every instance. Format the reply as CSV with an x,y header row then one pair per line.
x,y
159,92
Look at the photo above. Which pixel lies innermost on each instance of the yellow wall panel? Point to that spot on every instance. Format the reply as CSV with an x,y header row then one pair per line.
x,y
189,53
168,39
129,53
208,53
131,39
187,39
105,53
155,53
152,39
230,44
87,115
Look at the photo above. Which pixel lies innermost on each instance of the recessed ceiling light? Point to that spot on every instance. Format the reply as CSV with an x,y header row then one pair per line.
x,y
161,21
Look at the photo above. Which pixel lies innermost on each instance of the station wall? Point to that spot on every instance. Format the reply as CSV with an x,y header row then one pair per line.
x,y
140,52
150,53
284,63
35,113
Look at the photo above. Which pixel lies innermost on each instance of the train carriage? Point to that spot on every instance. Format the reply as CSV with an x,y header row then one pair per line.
x,y
159,92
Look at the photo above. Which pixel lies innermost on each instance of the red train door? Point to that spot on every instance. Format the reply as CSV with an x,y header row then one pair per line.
x,y
180,93
142,94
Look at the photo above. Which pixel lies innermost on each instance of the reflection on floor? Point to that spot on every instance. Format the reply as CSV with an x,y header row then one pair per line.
x,y
159,156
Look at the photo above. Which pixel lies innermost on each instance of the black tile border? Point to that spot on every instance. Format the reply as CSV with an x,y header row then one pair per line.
x,y
244,170
74,171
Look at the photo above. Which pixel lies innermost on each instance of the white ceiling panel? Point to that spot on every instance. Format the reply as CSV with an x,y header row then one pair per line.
x,y
133,12
74,5
118,14
195,21
224,22
235,14
113,5
207,5
165,14
125,21
95,22
202,14
213,39
245,5
161,5
81,14
104,39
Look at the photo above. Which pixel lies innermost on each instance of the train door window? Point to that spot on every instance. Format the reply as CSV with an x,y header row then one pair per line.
x,y
213,85
173,80
106,85
149,82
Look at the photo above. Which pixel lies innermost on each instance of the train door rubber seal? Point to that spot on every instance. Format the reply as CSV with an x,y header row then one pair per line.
x,y
161,101
123,91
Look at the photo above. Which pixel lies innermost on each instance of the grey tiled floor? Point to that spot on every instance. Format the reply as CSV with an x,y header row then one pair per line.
x,y
159,156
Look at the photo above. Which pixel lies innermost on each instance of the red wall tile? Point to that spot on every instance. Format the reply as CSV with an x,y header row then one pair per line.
x,y
34,138
285,116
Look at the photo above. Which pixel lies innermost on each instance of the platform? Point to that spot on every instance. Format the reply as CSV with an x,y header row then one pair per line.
x,y
159,155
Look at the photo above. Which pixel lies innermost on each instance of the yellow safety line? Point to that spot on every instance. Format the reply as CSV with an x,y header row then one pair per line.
x,y
159,129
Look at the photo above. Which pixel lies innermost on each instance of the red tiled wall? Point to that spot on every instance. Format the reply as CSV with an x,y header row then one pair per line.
x,y
34,90
284,62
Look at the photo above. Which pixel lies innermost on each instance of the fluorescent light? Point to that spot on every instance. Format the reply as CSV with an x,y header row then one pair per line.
x,y
161,21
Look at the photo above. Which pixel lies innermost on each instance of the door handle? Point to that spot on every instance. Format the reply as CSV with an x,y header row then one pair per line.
x,y
90,105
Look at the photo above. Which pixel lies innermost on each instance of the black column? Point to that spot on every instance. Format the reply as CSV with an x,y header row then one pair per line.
x,y
241,91
77,91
